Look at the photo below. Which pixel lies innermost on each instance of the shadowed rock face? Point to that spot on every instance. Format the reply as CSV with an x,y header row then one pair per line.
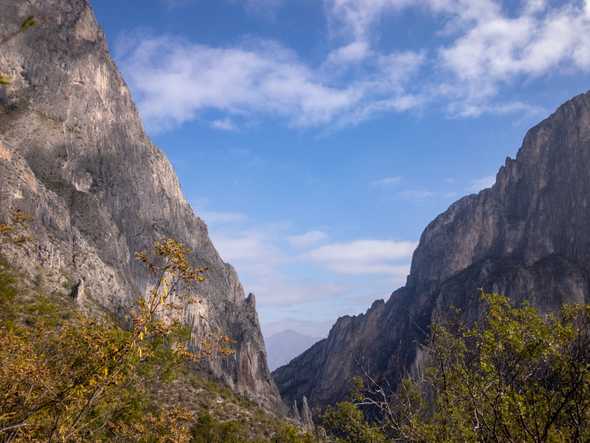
x,y
526,237
74,155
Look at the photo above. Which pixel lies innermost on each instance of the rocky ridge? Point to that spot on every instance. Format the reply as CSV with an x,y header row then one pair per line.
x,y
526,237
74,155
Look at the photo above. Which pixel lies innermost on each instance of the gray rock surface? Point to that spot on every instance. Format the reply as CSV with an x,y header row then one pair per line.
x,y
306,416
74,155
527,237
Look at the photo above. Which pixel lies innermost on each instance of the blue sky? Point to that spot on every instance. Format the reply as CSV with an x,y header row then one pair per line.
x,y
317,138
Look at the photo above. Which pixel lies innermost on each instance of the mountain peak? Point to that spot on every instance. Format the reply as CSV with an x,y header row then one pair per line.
x,y
524,237
78,160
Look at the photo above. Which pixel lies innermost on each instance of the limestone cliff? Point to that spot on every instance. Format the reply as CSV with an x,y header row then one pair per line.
x,y
74,155
526,237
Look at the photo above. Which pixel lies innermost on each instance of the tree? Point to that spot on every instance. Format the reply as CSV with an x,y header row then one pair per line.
x,y
65,376
346,423
515,375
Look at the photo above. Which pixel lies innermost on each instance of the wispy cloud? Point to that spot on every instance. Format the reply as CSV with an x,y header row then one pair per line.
x,y
307,239
269,270
387,181
175,80
354,52
416,194
293,272
224,124
485,46
251,251
216,217
481,48
359,16
365,257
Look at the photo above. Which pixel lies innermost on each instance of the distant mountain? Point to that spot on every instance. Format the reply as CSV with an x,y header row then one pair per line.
x,y
284,346
526,237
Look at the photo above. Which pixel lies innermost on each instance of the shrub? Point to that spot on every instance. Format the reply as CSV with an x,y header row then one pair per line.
x,y
516,375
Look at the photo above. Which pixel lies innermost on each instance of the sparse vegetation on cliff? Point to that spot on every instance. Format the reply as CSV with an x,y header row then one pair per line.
x,y
27,24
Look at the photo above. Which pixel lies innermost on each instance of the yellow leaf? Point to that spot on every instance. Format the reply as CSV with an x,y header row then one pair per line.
x,y
4,80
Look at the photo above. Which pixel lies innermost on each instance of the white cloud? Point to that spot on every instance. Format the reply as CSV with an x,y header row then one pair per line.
x,y
282,291
365,257
476,106
387,181
483,46
351,53
497,48
224,124
174,81
216,217
313,281
482,183
493,49
251,251
359,15
262,264
307,239
486,46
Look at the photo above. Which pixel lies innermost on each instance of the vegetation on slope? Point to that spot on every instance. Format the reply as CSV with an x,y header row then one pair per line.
x,y
515,376
66,376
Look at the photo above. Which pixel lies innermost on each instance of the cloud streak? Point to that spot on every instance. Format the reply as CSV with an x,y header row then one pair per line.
x,y
293,272
365,257
481,48
487,48
307,239
175,81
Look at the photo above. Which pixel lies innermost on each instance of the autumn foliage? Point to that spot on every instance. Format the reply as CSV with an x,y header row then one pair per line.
x,y
514,376
65,376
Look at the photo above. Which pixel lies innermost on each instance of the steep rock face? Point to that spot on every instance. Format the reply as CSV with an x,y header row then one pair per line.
x,y
74,155
526,237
